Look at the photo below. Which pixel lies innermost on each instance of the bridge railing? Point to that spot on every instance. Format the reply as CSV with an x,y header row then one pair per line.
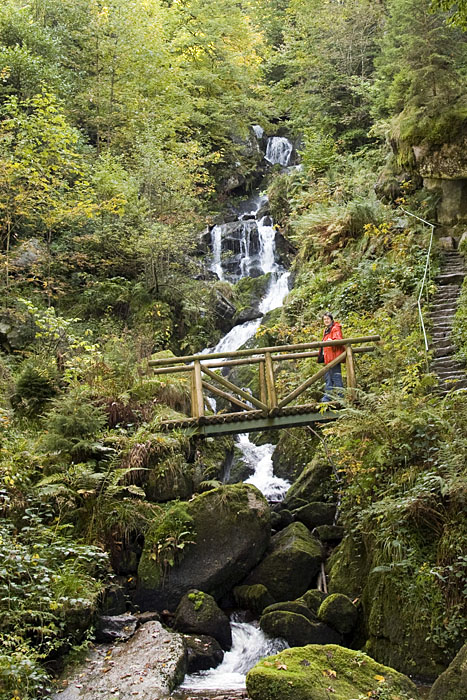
x,y
268,400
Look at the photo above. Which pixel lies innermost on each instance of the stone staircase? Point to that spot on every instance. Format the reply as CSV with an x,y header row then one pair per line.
x,y
451,373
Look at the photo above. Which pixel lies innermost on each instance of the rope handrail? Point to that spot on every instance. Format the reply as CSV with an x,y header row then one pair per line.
x,y
425,273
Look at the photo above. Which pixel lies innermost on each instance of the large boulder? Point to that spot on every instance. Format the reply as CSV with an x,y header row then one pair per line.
x,y
112,628
295,606
297,629
198,613
317,672
210,543
313,599
338,611
452,684
149,666
292,562
313,484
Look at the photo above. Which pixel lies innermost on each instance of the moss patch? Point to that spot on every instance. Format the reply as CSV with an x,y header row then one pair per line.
x,y
316,672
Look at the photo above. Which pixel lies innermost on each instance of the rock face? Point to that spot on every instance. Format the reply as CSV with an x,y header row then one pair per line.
x,y
198,613
229,531
452,684
316,672
316,513
148,667
339,612
292,561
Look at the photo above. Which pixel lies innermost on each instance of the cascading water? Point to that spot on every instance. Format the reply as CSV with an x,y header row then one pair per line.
x,y
247,247
249,645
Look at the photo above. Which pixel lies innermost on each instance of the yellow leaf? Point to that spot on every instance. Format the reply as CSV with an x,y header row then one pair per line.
x,y
379,678
267,663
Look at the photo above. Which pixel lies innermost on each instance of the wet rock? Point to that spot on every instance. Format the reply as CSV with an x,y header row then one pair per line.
x,y
313,484
148,667
316,513
224,312
292,561
115,600
254,598
203,652
316,672
452,684
297,629
112,628
198,613
229,531
148,616
338,611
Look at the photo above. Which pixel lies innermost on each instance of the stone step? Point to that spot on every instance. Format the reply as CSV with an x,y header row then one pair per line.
x,y
446,368
444,352
450,278
447,307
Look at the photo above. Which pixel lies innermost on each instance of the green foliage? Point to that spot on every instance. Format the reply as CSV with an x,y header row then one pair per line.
x,y
35,386
169,536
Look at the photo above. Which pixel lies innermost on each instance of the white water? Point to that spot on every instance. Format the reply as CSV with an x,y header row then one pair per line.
x,y
278,150
249,645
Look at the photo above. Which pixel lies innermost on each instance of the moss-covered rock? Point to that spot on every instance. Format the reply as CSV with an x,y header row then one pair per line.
x,y
295,606
348,567
219,536
292,562
294,451
198,613
254,598
329,533
316,513
452,684
338,611
169,479
313,484
297,629
313,599
316,672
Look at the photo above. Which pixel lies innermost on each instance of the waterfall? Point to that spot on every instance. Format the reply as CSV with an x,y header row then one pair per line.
x,y
278,150
249,645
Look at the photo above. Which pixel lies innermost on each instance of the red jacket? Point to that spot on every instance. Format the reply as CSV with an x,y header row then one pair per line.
x,y
331,352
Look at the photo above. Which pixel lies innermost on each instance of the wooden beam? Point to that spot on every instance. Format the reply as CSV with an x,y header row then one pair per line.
x,y
263,392
236,389
350,370
252,360
311,380
267,423
197,408
255,351
225,395
270,382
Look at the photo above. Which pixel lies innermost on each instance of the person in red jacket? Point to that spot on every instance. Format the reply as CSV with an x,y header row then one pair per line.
x,y
333,377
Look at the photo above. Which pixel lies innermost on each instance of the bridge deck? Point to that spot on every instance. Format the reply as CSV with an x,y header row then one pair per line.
x,y
248,421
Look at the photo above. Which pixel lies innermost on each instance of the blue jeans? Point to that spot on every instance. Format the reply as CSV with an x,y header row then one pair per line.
x,y
333,384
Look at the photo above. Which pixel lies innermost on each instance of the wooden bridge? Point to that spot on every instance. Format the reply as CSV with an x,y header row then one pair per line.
x,y
266,411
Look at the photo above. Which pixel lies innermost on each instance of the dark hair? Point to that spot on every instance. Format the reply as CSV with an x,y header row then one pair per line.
x,y
328,313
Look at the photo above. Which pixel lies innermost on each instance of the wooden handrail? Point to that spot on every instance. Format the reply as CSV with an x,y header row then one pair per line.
x,y
261,351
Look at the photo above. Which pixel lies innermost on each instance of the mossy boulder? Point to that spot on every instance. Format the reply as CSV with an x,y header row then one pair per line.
x,y
348,567
295,606
198,613
297,629
313,599
295,448
254,598
316,513
329,533
338,611
291,563
317,672
219,535
452,684
313,484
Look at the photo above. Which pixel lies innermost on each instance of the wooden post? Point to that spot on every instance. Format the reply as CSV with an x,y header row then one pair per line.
x,y
350,367
235,389
270,384
320,373
197,400
263,392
